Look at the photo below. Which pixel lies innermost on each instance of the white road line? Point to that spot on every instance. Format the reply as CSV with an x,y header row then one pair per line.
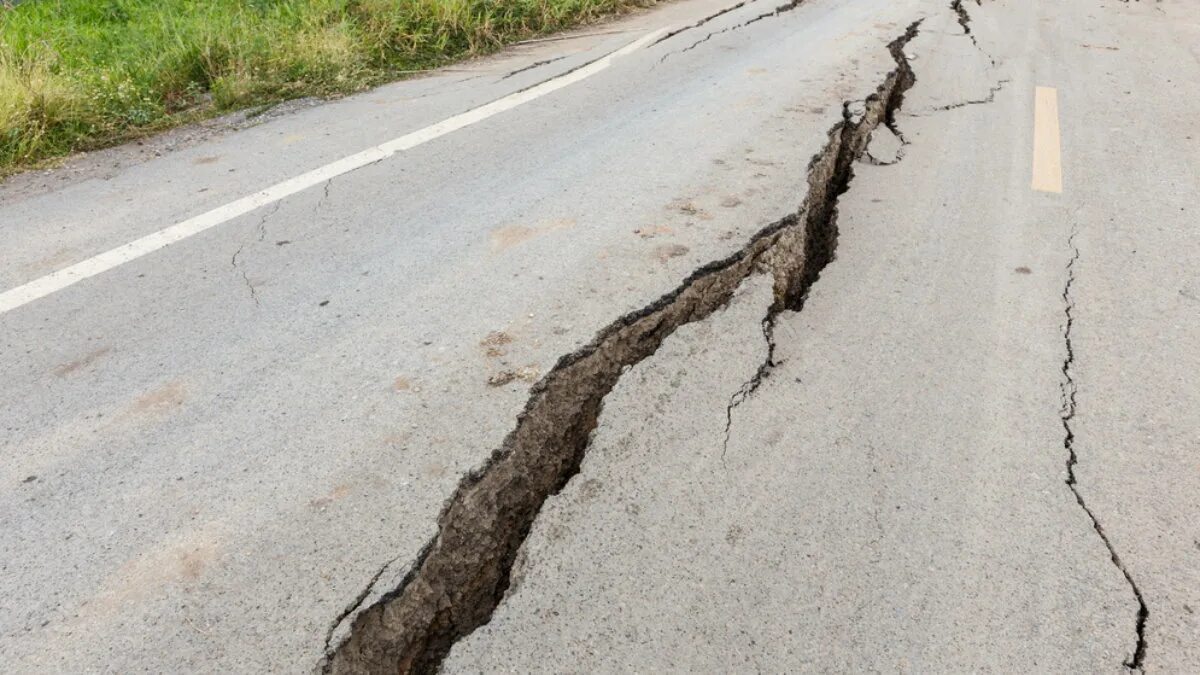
x,y
56,281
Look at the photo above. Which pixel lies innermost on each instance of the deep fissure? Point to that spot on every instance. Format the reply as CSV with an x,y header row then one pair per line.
x,y
461,575
821,224
1069,406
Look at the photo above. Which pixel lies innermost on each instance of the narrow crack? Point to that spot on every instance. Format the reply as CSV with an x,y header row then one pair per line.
x,y
462,573
697,43
262,234
781,9
1069,390
355,603
535,64
253,290
262,222
324,195
701,22
786,7
750,386
990,98
233,261
964,19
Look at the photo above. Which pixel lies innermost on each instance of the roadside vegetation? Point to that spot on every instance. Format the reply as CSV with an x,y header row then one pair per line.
x,y
81,74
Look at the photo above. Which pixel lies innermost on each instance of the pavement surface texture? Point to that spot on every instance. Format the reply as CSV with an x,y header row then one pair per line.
x,y
851,336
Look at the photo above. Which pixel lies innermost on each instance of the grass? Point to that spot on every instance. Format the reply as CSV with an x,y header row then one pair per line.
x,y
82,74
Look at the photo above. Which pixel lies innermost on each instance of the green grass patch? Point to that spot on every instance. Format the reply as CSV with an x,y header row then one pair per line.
x,y
81,74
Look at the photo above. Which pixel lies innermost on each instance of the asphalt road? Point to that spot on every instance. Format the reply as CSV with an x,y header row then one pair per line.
x,y
851,336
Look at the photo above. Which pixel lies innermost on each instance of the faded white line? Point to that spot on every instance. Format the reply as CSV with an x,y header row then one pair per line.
x,y
56,281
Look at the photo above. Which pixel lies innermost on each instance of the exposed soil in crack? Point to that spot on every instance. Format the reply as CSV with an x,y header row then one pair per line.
x,y
461,575
355,603
820,241
1137,659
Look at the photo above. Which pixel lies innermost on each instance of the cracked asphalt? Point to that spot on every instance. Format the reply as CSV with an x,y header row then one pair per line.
x,y
631,375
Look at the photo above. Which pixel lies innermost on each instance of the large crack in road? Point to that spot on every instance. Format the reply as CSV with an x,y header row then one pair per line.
x,y
820,242
461,575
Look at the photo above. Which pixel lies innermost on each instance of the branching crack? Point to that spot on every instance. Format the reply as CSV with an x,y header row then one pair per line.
x,y
462,574
1069,390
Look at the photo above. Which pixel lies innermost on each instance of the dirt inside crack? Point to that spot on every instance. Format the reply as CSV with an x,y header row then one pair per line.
x,y
820,209
461,575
